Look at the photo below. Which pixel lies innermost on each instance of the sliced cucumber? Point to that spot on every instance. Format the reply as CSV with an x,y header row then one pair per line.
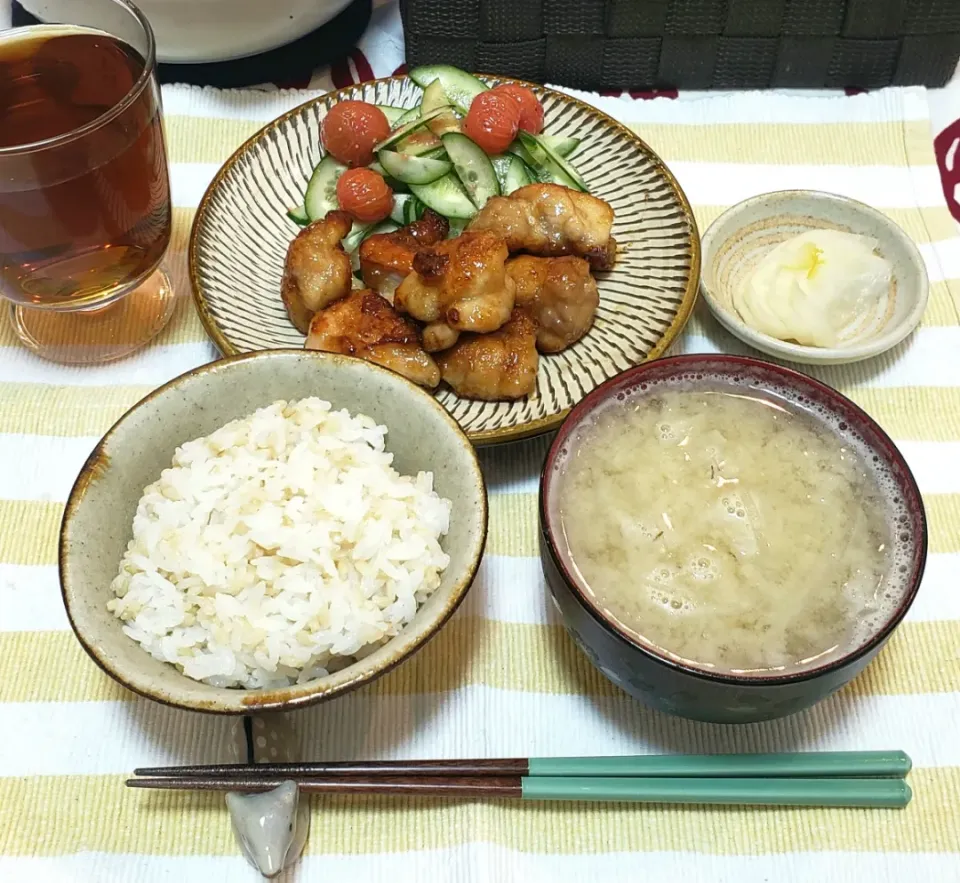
x,y
413,169
566,167
516,175
457,226
385,226
401,207
560,144
512,172
473,168
538,147
321,195
388,225
406,209
407,129
545,172
536,155
446,122
434,97
393,114
548,174
517,149
358,232
408,116
551,173
299,215
420,143
437,152
414,211
446,197
460,87
395,185
501,162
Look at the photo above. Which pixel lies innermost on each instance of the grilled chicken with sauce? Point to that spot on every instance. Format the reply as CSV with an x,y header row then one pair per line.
x,y
439,336
386,259
559,294
363,324
317,271
458,285
500,365
550,220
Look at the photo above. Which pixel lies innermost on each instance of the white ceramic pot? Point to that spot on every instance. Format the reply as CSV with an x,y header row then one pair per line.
x,y
216,30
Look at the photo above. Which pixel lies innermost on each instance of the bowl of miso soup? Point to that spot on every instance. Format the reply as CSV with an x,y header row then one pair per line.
x,y
726,539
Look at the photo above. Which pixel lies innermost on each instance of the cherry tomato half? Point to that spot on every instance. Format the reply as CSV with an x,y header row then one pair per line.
x,y
364,195
492,121
531,110
350,131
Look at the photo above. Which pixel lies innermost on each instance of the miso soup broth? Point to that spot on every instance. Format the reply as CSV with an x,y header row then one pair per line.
x,y
730,529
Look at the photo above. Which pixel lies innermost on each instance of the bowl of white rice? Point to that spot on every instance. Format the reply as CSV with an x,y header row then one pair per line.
x,y
269,531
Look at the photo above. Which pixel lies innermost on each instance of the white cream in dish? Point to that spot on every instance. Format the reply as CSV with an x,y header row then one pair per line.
x,y
813,286
729,528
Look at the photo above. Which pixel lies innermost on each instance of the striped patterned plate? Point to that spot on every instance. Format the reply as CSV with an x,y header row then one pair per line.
x,y
241,234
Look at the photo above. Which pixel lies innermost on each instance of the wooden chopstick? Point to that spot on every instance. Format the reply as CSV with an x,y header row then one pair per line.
x,y
828,764
852,778
448,786
481,767
843,792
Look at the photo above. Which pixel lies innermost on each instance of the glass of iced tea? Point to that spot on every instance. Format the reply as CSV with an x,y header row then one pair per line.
x,y
85,210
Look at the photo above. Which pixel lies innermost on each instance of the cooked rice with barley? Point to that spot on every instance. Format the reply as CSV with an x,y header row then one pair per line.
x,y
280,547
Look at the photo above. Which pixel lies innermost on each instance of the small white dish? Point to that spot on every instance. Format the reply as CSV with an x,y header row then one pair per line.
x,y
737,240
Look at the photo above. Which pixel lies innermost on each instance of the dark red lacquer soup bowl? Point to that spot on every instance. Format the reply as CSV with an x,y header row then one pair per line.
x,y
669,682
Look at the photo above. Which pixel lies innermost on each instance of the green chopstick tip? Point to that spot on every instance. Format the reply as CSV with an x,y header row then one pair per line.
x,y
907,793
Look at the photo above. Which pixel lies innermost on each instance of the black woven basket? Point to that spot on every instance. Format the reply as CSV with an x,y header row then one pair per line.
x,y
691,44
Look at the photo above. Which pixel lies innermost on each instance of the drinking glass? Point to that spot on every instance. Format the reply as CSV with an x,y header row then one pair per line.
x,y
85,214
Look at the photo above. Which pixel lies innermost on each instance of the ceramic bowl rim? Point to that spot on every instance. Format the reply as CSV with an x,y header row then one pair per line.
x,y
487,437
888,451
277,699
801,352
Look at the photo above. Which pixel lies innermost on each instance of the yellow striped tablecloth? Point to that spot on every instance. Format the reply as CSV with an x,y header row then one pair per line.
x,y
502,678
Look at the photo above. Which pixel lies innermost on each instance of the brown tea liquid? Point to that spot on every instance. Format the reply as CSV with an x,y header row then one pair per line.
x,y
83,219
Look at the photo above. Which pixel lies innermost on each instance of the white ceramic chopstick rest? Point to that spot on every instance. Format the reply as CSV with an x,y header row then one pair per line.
x,y
270,828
